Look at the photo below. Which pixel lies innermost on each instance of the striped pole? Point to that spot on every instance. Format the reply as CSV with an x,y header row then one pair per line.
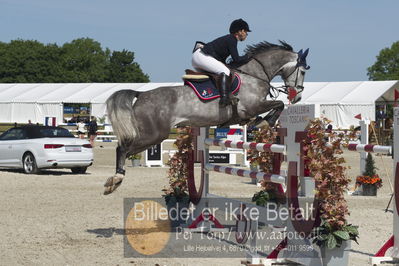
x,y
369,148
245,173
365,148
262,147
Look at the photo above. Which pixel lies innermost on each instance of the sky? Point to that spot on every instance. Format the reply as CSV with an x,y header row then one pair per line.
x,y
344,36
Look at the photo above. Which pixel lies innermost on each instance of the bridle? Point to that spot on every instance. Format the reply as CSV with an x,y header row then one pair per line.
x,y
276,90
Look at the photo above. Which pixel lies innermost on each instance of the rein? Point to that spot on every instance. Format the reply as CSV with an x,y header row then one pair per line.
x,y
276,90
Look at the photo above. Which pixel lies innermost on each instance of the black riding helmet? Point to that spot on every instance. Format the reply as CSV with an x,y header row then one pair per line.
x,y
237,25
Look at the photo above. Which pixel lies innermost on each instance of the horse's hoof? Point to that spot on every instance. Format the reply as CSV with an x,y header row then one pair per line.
x,y
112,184
107,191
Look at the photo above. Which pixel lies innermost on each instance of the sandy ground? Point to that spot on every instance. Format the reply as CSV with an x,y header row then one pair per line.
x,y
58,218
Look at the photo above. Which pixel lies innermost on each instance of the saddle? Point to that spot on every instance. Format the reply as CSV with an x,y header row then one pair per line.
x,y
204,84
198,76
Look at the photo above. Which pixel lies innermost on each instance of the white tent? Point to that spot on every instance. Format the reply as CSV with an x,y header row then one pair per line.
x,y
339,101
21,102
342,101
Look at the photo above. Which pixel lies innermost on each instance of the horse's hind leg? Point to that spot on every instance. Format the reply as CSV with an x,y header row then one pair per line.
x,y
115,181
133,147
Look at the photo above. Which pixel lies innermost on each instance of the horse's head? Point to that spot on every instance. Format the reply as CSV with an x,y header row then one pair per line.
x,y
268,60
293,74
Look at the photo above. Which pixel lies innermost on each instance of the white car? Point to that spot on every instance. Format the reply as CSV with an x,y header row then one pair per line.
x,y
35,147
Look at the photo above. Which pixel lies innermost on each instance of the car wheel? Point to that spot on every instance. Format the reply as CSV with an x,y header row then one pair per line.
x,y
29,163
79,170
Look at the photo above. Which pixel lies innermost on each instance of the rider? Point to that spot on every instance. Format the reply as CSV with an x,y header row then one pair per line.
x,y
212,56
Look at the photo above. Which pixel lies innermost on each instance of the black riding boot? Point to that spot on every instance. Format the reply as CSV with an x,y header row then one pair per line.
x,y
224,90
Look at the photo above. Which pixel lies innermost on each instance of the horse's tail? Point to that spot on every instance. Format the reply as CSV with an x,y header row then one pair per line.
x,y
120,113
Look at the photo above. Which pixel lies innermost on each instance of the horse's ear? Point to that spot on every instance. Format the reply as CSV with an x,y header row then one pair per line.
x,y
302,58
305,53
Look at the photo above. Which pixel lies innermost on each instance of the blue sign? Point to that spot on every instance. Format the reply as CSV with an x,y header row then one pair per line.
x,y
221,133
69,110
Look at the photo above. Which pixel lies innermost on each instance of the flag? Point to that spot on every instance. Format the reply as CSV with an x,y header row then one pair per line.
x,y
396,95
359,116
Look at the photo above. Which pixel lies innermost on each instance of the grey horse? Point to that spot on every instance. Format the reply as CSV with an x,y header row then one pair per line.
x,y
143,119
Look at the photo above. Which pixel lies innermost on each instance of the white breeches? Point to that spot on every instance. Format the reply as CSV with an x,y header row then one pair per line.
x,y
201,61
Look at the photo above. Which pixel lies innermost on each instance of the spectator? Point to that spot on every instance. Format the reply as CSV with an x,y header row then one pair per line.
x,y
80,126
329,130
380,117
92,130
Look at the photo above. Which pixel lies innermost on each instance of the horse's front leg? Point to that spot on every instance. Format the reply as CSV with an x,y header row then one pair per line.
x,y
275,108
115,181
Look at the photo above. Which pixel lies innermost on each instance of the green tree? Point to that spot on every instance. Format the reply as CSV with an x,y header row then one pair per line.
x,y
82,60
387,65
370,166
122,68
28,61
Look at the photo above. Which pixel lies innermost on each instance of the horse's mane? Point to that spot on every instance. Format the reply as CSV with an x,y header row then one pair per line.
x,y
264,46
253,50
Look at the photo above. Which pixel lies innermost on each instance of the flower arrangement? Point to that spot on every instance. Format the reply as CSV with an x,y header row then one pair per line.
x,y
369,177
371,180
177,174
326,165
264,160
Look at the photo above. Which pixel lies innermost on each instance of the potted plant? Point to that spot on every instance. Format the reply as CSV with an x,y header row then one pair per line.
x,y
176,195
325,164
268,194
135,158
369,181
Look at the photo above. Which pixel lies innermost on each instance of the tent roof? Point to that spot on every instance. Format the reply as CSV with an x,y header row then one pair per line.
x,y
68,92
351,92
358,92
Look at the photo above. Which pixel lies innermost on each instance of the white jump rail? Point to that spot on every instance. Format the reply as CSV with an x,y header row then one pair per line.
x,y
278,179
262,147
365,148
369,148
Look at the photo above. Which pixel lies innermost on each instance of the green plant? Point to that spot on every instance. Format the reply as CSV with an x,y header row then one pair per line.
x,y
177,174
325,164
327,235
370,166
136,156
101,120
261,198
268,194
